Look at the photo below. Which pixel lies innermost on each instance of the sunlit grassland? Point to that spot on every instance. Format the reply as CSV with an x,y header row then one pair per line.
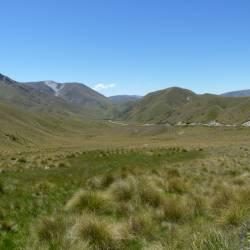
x,y
135,188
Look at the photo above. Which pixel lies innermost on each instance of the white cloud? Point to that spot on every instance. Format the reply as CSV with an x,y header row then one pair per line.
x,y
103,86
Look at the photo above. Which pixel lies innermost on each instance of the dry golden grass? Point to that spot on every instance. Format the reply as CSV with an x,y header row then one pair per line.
x,y
169,195
144,207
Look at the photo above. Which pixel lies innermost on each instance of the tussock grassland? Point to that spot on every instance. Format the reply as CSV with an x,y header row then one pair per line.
x,y
143,208
164,195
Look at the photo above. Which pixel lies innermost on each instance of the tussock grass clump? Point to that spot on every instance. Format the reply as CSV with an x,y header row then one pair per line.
x,y
95,183
233,172
177,185
243,196
150,195
126,208
63,164
233,216
107,180
44,186
142,224
22,160
213,240
223,196
239,181
173,172
124,189
101,182
7,226
89,200
197,204
96,233
72,155
49,231
174,209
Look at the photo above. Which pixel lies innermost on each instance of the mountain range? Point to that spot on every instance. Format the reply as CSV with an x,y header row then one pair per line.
x,y
240,93
175,105
49,96
61,102
118,99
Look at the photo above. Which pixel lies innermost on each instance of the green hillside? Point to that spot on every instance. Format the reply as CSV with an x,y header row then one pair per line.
x,y
119,99
20,128
72,98
91,101
75,181
175,105
50,113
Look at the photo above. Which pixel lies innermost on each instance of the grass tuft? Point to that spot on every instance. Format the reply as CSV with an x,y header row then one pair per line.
x,y
173,209
49,231
124,189
96,233
89,200
233,216
214,240
142,224
177,185
150,195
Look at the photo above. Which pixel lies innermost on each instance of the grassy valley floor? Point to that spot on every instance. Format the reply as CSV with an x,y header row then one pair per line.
x,y
128,187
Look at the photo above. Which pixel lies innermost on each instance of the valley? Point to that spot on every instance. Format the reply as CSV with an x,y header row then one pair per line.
x,y
165,171
95,179
125,125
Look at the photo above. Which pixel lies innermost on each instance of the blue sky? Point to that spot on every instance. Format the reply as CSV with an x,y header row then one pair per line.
x,y
128,46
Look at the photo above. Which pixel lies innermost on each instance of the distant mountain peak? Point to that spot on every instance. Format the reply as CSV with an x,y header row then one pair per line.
x,y
5,78
51,82
178,90
56,87
124,98
239,93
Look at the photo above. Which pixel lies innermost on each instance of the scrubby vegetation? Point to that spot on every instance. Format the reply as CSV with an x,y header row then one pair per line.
x,y
141,208
140,197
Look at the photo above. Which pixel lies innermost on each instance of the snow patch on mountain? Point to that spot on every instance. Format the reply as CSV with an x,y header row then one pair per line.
x,y
56,87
